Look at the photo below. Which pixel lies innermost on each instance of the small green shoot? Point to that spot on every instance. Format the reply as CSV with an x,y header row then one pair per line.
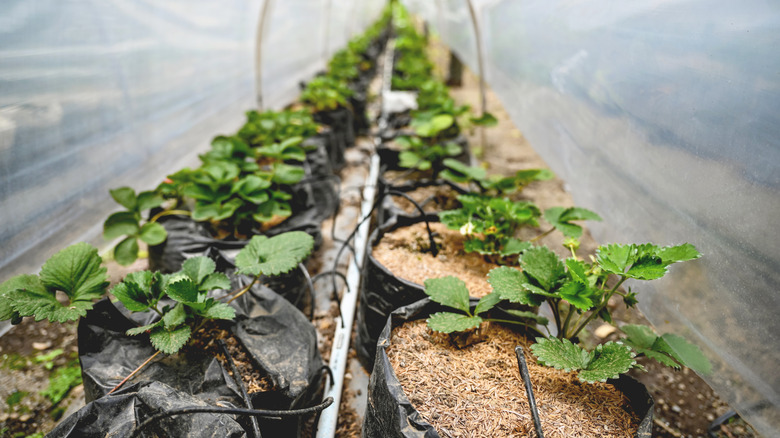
x,y
128,223
61,382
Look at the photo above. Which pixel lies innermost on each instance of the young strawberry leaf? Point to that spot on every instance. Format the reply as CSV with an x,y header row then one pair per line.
x,y
216,310
560,218
605,362
578,294
543,265
560,354
143,329
183,290
170,341
134,292
275,255
524,314
511,284
125,196
447,322
679,253
174,317
126,251
486,120
615,258
152,233
120,224
486,303
449,291
198,268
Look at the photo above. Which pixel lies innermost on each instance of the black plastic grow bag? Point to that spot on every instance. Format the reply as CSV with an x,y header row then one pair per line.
x,y
381,293
280,342
389,413
340,121
389,211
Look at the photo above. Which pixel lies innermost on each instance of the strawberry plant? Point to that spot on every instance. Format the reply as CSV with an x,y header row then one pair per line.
x,y
325,93
129,223
452,292
276,126
578,292
69,282
490,224
417,154
492,185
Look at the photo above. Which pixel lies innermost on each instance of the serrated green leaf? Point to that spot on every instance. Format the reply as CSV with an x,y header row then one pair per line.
x,y
170,341
449,291
183,290
513,246
125,196
133,291
487,302
174,317
679,253
198,268
609,361
486,120
543,265
577,270
76,271
288,174
524,314
561,218
647,268
149,200
42,304
126,251
560,354
508,284
275,255
639,336
615,258
446,322
685,352
123,223
153,233
135,331
217,310
216,280
23,282
463,171
577,294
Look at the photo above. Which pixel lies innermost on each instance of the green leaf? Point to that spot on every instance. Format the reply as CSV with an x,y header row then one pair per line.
x,y
639,336
135,331
183,290
198,268
463,173
615,258
609,361
485,119
19,282
217,310
123,223
410,160
542,265
126,251
288,174
685,352
560,354
153,233
508,283
577,294
275,255
524,314
452,149
133,291
446,322
149,200
487,302
60,383
174,317
577,270
449,291
76,271
213,281
648,267
170,341
561,218
125,196
679,253
514,246
32,299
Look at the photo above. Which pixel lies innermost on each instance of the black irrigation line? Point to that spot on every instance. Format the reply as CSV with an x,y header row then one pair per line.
x,y
240,382
529,390
310,283
334,293
234,411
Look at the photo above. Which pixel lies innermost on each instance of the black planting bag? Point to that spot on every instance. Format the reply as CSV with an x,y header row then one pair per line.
x,y
389,413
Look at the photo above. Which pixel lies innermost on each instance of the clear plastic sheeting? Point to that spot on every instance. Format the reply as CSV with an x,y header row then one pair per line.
x,y
98,95
663,117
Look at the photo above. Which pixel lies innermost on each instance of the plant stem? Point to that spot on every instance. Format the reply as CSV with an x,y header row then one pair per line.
x,y
600,308
542,235
506,321
134,372
554,307
169,213
245,289
566,323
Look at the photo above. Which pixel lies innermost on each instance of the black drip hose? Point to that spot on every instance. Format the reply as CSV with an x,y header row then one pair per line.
x,y
310,283
233,411
529,390
434,249
240,382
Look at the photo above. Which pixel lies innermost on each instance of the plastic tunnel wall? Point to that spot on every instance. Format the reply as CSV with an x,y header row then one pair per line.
x,y
99,95
663,117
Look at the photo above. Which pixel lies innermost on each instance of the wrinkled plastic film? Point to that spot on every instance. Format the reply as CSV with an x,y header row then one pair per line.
x,y
663,118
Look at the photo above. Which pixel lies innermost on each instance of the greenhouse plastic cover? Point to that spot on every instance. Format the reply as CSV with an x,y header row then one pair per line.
x,y
99,95
662,116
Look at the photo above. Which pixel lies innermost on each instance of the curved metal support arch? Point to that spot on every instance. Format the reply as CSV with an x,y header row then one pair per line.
x,y
326,36
259,57
480,59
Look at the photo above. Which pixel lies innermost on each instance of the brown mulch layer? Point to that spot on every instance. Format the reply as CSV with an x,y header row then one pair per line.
x,y
405,252
478,392
431,199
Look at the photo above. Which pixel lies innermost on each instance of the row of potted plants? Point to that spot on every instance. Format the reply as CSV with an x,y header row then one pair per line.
x,y
455,279
212,326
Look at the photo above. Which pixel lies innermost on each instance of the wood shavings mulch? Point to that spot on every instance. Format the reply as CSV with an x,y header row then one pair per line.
x,y
478,391
405,253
